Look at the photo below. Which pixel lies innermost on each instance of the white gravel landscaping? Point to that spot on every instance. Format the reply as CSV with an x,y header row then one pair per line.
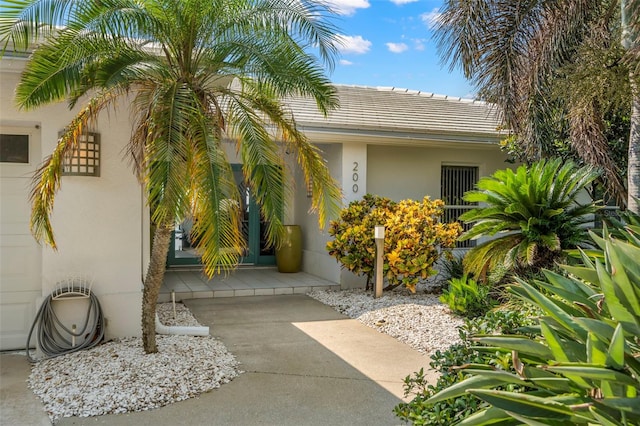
x,y
419,320
117,377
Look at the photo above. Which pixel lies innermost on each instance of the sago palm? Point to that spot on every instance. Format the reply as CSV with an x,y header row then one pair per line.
x,y
532,212
196,72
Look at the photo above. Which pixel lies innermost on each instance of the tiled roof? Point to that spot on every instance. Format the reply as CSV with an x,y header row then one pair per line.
x,y
385,109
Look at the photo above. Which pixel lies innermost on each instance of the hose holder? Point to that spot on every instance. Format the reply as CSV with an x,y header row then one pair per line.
x,y
53,337
72,288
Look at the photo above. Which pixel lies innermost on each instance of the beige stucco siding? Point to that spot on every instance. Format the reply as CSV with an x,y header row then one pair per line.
x,y
315,259
100,223
400,172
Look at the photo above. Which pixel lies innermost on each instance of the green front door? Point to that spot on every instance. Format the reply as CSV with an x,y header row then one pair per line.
x,y
183,252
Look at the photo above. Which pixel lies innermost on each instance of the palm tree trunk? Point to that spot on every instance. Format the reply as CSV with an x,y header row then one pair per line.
x,y
152,284
633,173
629,40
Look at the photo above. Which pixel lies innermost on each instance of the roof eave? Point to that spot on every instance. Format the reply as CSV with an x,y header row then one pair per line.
x,y
448,139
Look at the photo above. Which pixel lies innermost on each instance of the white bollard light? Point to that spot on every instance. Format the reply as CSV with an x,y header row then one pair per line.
x,y
379,237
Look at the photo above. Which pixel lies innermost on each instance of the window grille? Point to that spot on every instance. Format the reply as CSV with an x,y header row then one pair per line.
x,y
454,182
85,159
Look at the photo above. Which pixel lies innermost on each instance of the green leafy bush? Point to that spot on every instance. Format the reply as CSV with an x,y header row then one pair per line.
x,y
420,412
466,297
452,267
414,238
534,214
582,366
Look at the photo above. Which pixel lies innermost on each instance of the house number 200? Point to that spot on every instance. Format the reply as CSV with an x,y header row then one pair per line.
x,y
355,177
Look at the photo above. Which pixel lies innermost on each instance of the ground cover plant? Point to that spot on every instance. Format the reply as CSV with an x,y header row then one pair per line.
x,y
466,297
415,239
419,411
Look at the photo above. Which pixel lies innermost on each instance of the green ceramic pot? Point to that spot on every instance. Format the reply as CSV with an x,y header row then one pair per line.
x,y
289,255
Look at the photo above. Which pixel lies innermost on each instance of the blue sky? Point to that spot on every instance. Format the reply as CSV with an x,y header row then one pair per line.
x,y
389,43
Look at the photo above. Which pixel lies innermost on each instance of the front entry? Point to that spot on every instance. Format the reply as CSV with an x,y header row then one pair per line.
x,y
183,252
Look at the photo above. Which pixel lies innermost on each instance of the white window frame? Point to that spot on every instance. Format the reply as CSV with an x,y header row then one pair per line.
x,y
33,132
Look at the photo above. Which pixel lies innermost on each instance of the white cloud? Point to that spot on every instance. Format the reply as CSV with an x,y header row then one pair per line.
x,y
345,62
397,47
419,44
401,2
347,7
431,18
352,44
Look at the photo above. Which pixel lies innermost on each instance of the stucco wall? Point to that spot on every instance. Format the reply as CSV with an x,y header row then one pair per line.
x,y
413,172
315,259
98,221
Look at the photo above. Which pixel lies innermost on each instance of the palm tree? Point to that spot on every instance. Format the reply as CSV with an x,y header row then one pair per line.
x,y
197,72
512,51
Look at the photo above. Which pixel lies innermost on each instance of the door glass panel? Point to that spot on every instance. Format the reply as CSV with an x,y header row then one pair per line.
x,y
253,228
264,249
245,205
184,244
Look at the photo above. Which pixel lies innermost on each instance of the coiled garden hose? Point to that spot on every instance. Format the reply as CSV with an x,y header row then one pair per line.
x,y
54,338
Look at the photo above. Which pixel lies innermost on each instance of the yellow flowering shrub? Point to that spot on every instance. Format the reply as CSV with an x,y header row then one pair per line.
x,y
414,238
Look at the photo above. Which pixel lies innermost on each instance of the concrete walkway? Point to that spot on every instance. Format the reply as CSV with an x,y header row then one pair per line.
x,y
18,405
304,364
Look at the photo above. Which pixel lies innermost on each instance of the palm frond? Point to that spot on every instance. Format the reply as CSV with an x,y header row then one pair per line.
x,y
589,141
25,21
263,167
326,195
168,150
484,258
306,19
537,203
47,178
215,201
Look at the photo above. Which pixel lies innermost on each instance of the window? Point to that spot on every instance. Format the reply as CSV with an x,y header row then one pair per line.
x,y
85,159
454,182
14,149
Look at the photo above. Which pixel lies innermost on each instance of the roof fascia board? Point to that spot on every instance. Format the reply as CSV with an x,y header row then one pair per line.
x,y
342,136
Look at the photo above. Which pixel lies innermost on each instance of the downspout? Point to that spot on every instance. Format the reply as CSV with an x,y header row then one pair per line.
x,y
181,330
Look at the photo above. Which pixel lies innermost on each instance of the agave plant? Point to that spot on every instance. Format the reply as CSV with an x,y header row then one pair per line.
x,y
583,367
533,211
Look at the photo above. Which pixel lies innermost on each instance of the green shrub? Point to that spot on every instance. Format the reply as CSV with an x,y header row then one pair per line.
x,y
418,411
534,214
452,267
414,238
466,297
582,365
